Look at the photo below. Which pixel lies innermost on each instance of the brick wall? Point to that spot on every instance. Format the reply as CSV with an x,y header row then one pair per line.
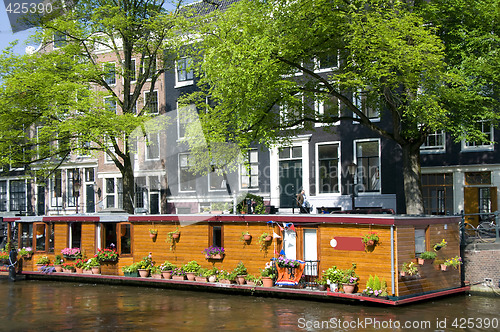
x,y
482,261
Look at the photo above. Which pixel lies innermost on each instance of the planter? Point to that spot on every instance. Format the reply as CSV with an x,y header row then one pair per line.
x,y
225,281
131,274
96,269
178,278
212,278
201,279
437,248
166,274
267,282
251,283
240,280
422,261
58,268
191,276
71,256
215,257
79,270
143,273
38,266
334,287
156,276
175,236
87,271
348,288
68,270
247,237
268,238
153,236
444,267
322,288
370,243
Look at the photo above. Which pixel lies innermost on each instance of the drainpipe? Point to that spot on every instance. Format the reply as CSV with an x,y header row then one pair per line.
x,y
393,281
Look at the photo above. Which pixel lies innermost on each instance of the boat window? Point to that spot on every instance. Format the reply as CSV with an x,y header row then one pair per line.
x,y
216,236
125,245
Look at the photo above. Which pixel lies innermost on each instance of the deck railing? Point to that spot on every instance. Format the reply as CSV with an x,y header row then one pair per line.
x,y
311,272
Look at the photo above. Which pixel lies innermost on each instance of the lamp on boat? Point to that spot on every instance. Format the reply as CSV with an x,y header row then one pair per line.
x,y
352,168
77,184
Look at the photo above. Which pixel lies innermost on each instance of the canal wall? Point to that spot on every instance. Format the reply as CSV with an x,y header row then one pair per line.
x,y
482,267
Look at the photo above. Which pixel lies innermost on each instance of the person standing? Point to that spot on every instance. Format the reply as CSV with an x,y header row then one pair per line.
x,y
302,202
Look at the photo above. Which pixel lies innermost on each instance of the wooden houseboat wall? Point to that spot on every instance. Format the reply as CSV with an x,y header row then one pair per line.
x,y
395,247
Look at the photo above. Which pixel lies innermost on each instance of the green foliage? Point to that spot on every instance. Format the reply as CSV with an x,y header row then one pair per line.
x,y
428,255
240,269
257,202
334,275
58,260
192,266
43,260
410,268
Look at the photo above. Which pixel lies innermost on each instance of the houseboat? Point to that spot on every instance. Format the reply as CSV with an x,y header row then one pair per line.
x,y
318,242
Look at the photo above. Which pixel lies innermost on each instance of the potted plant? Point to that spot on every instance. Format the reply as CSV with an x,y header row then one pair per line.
x,y
268,275
454,261
155,272
178,274
94,264
333,277
145,265
58,261
79,265
4,256
440,245
106,255
240,271
321,282
42,260
214,252
251,280
71,253
264,240
245,236
153,232
287,263
349,279
166,269
202,275
370,239
173,238
426,257
68,267
212,274
191,269
375,287
225,277
25,252
409,269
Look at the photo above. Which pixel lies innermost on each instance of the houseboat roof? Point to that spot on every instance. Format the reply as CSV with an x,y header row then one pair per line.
x,y
367,219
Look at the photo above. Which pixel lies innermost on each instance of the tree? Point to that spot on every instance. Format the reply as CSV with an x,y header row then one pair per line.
x,y
52,100
393,56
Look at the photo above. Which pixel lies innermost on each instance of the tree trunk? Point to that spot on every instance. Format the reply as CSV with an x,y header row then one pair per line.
x,y
412,179
128,186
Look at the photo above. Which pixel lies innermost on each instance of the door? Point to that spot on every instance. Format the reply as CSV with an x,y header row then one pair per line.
x,y
290,244
290,172
40,204
90,198
310,254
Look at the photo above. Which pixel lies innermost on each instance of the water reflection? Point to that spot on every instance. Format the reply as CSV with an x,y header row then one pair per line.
x,y
35,305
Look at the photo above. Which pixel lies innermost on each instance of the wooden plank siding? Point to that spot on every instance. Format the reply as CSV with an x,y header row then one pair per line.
x,y
431,277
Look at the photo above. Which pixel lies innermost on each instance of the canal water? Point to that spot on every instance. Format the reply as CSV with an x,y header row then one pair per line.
x,y
65,306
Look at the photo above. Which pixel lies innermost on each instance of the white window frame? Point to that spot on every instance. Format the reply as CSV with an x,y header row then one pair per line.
x,y
319,108
222,188
147,147
106,103
355,154
55,202
190,108
283,115
157,102
317,169
426,148
146,58
104,65
179,174
317,65
483,147
135,71
243,171
359,104
178,83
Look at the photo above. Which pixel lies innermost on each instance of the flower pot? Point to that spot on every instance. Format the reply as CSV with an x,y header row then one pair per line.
x,y
175,236
79,270
267,282
58,268
143,273
370,243
87,271
96,269
334,287
322,288
156,275
167,274
437,248
444,267
240,280
268,238
422,261
201,279
402,274
251,283
212,278
191,276
68,270
225,281
247,237
348,288
217,257
153,236
178,278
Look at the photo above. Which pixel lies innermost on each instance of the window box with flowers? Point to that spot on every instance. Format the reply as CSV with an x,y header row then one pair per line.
x,y
178,274
71,253
454,261
106,255
370,239
25,252
215,253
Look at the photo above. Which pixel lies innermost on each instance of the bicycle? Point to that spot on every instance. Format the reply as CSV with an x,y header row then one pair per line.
x,y
483,231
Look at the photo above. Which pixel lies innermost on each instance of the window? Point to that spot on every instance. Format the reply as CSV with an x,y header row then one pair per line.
x,y
328,108
486,128
26,235
291,112
131,71
109,70
114,193
437,190
420,243
56,189
184,72
149,65
485,200
185,115
326,61
366,104
72,175
187,179
108,235
89,174
75,235
3,196
368,170
151,102
249,173
294,152
110,104
17,195
125,244
327,168
216,178
140,192
216,236
153,146
435,142
44,237
154,194
59,39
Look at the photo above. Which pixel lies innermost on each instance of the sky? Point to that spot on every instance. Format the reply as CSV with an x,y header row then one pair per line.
x,y
6,35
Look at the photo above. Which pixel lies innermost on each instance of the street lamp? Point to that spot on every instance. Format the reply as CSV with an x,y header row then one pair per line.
x,y
352,167
76,187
